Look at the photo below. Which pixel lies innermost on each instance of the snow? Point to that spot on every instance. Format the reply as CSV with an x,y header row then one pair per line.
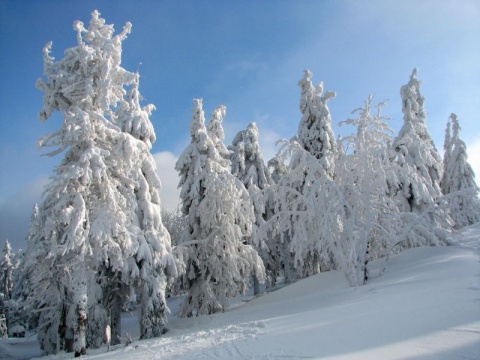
x,y
424,306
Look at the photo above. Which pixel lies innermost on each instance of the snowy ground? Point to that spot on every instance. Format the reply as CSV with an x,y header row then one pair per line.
x,y
425,306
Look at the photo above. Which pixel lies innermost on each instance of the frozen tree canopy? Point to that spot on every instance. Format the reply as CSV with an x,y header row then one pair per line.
x,y
98,231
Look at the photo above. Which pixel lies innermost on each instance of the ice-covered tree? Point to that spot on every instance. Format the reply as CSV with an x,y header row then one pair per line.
x,y
98,232
219,220
458,180
6,271
249,167
417,188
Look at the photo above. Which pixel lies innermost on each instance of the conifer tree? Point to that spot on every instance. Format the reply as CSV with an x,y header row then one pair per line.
x,y
459,179
219,219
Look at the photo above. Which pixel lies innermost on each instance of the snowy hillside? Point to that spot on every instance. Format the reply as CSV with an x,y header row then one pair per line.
x,y
425,306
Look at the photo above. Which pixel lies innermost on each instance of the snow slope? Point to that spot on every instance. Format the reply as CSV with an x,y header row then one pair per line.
x,y
425,306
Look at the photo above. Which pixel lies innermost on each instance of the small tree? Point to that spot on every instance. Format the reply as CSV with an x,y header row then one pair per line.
x,y
458,180
219,219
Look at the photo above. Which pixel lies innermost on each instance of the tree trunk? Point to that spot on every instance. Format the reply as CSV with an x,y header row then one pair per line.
x,y
256,285
79,297
115,321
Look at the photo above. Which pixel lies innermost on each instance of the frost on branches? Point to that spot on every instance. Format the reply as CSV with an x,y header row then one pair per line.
x,y
417,188
219,219
458,181
98,233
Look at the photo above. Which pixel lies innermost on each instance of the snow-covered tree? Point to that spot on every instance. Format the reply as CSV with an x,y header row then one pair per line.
x,y
315,133
216,134
370,218
348,220
315,136
219,220
249,167
417,188
154,259
98,232
6,272
458,180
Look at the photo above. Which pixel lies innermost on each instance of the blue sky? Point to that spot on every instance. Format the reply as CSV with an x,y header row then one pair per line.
x,y
247,55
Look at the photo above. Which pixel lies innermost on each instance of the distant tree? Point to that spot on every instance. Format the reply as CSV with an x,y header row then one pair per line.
x,y
459,179
417,188
6,271
219,220
249,167
98,233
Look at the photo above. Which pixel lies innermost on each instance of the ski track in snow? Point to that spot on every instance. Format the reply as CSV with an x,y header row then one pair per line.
x,y
216,343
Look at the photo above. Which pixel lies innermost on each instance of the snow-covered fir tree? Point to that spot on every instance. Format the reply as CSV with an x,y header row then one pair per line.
x,y
216,133
249,167
417,188
315,133
458,181
6,272
219,220
98,233
315,136
154,259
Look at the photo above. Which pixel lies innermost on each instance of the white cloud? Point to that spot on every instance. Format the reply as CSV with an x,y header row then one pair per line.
x,y
169,194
